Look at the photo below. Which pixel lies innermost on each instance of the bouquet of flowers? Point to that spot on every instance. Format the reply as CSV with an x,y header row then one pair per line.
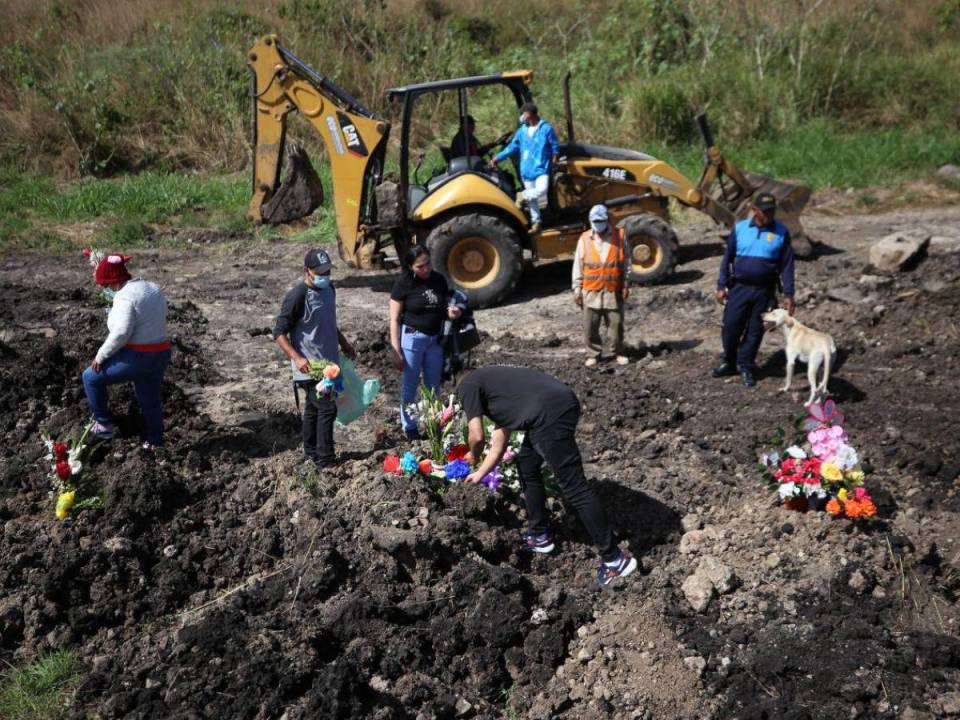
x,y
820,470
327,375
438,421
66,465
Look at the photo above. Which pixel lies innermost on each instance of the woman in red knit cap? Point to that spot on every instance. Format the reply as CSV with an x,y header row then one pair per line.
x,y
136,350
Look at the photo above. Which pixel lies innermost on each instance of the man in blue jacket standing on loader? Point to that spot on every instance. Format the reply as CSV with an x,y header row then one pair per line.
x,y
758,256
537,145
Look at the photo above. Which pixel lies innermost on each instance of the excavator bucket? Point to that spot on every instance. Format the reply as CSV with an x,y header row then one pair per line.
x,y
299,194
736,190
791,200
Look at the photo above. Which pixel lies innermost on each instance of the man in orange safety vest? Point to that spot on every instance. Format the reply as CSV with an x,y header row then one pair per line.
x,y
599,284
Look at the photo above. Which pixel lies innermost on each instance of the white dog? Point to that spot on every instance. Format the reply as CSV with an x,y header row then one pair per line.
x,y
812,347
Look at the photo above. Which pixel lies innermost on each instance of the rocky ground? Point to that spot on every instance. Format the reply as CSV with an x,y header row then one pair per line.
x,y
223,579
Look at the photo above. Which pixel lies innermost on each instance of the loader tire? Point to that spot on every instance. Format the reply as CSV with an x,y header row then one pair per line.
x,y
651,249
479,255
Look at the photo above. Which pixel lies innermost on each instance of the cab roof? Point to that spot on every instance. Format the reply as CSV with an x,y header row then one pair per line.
x,y
512,78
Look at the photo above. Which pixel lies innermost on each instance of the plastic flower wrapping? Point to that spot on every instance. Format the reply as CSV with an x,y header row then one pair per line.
x,y
821,470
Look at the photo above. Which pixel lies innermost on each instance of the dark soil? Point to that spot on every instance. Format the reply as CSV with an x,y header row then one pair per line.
x,y
223,578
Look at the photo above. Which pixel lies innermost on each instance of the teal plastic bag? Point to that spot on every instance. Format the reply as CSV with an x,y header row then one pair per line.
x,y
357,393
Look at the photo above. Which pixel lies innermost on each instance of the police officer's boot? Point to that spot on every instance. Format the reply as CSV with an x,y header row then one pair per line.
x,y
724,369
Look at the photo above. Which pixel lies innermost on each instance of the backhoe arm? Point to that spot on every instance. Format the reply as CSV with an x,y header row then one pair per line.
x,y
354,137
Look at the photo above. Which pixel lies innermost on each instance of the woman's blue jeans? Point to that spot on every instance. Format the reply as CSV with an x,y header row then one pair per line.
x,y
422,355
145,370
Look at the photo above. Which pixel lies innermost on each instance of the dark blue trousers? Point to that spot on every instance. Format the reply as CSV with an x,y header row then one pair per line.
x,y
743,324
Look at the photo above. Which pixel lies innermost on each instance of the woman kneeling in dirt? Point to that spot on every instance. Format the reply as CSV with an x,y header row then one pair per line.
x,y
136,349
419,303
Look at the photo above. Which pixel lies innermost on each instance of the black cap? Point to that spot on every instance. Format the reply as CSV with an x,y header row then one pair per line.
x,y
529,107
317,260
765,202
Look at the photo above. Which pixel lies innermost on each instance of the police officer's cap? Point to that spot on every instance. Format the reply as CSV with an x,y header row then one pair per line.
x,y
765,202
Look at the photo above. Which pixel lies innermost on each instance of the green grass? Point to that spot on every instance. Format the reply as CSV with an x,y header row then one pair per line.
x,y
40,690
820,154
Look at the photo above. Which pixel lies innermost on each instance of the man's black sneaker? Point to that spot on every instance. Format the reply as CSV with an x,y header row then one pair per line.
x,y
619,568
537,542
724,369
747,378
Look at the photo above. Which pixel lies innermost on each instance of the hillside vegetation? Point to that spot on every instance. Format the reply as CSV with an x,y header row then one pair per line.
x,y
97,87
829,92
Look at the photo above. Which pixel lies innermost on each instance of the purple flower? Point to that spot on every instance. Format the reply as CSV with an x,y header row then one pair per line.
x,y
456,470
493,480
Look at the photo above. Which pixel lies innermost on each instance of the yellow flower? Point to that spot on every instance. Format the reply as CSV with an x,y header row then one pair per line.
x,y
829,471
64,503
842,494
855,476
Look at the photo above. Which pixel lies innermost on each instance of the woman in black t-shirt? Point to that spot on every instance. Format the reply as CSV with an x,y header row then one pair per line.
x,y
419,303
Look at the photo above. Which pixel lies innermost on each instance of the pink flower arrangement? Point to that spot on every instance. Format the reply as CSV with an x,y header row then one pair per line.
x,y
821,470
826,441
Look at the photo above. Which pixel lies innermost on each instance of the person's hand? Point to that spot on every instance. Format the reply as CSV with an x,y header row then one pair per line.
x,y
473,478
303,365
397,359
453,312
95,366
493,163
722,296
789,304
578,298
626,292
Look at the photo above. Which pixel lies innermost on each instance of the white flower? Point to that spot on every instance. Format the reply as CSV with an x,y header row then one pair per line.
x,y
815,490
796,453
770,459
846,457
75,467
787,490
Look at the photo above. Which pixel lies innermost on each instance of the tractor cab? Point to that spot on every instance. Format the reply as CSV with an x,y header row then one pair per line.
x,y
439,145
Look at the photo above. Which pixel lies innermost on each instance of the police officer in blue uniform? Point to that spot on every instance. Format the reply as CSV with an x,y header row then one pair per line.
x,y
757,256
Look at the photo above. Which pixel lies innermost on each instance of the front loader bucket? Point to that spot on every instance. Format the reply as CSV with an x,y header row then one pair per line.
x,y
299,194
791,200
736,190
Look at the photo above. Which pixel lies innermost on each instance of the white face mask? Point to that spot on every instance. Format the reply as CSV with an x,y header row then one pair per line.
x,y
600,227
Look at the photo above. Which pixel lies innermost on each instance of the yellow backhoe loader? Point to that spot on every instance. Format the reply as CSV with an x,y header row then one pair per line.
x,y
466,212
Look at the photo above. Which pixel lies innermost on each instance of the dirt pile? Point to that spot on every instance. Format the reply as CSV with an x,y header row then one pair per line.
x,y
223,579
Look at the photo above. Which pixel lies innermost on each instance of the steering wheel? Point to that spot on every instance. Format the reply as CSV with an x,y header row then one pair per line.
x,y
501,141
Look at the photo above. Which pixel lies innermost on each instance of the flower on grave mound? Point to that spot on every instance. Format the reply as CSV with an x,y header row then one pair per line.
x,y
457,452
821,470
456,470
66,467
391,464
493,480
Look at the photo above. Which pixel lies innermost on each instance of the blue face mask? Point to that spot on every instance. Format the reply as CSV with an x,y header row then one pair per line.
x,y
321,282
599,227
109,294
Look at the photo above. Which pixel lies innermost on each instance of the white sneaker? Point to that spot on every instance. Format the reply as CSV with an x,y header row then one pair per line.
x,y
623,360
590,362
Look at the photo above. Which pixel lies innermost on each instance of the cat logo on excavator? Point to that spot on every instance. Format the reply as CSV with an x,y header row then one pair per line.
x,y
468,213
